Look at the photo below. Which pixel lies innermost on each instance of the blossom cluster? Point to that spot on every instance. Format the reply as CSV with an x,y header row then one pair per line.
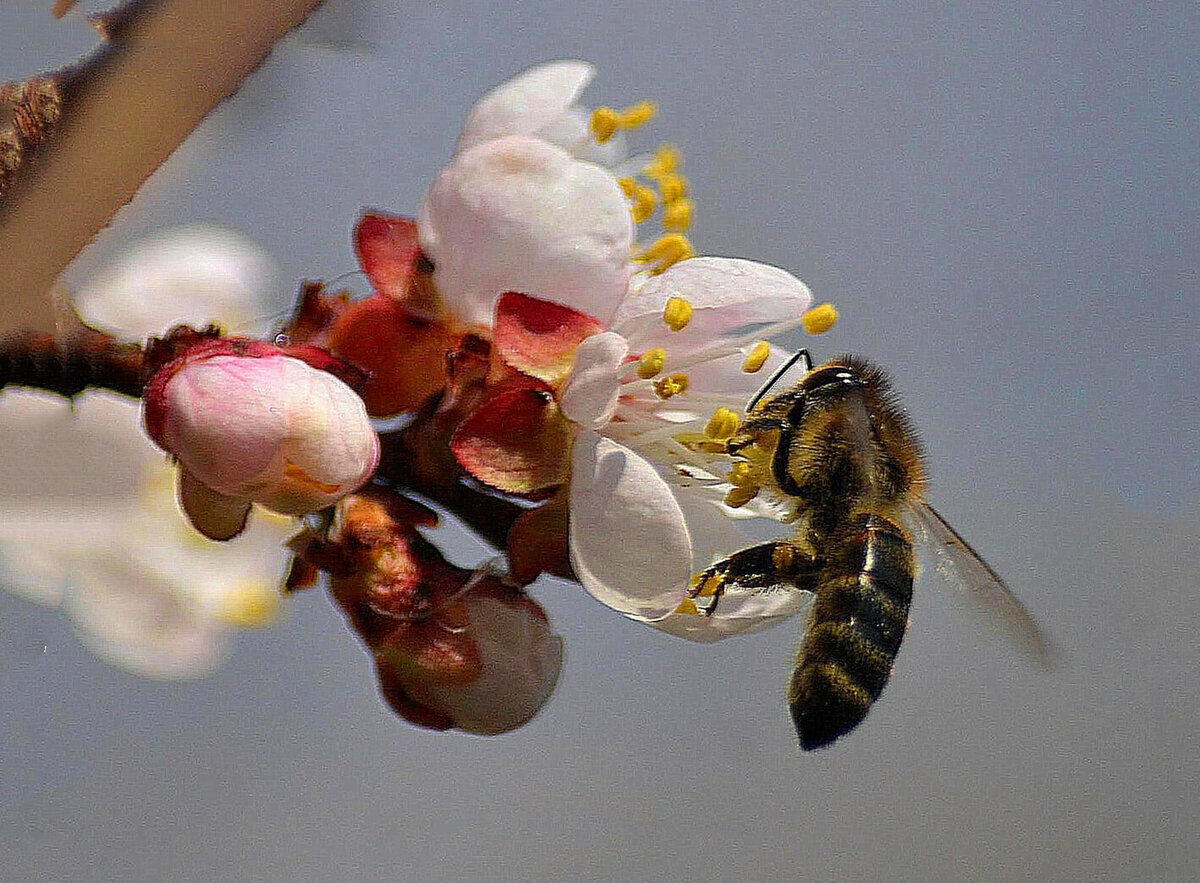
x,y
556,346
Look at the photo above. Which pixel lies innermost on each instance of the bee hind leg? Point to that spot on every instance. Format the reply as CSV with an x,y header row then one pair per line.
x,y
767,566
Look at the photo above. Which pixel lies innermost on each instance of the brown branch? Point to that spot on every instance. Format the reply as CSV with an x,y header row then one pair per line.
x,y
84,139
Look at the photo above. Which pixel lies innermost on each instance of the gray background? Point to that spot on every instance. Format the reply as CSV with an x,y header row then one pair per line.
x,y
1003,200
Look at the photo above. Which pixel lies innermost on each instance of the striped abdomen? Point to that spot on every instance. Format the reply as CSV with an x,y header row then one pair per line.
x,y
855,629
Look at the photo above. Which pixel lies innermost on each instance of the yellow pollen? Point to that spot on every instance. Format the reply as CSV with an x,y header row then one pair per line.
x,y
666,160
677,215
605,123
698,441
820,319
740,496
722,424
638,114
677,313
651,363
740,476
758,356
671,385
711,586
672,187
643,202
628,185
688,606
666,252
250,605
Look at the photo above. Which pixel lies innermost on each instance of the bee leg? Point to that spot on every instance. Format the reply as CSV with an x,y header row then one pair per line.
x,y
760,568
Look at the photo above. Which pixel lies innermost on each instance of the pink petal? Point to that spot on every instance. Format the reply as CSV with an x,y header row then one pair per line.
x,y
629,544
524,104
215,515
388,251
538,337
517,440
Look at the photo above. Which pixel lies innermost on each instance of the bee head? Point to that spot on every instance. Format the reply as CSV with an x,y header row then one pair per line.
x,y
832,380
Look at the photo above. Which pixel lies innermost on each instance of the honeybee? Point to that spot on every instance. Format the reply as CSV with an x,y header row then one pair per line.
x,y
841,457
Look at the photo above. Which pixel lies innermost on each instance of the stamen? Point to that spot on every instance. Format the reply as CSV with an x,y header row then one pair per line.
x,y
820,319
722,424
643,203
671,385
666,160
638,114
666,252
677,313
651,363
758,356
677,215
605,123
672,187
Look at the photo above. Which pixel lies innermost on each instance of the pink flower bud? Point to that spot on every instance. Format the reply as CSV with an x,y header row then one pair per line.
x,y
249,424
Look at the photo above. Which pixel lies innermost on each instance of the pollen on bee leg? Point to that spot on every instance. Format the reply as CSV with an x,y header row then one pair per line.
x,y
743,491
819,319
722,424
688,607
757,357
709,588
677,313
651,363
671,385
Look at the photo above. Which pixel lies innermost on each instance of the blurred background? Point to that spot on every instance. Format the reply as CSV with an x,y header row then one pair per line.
x,y
1003,200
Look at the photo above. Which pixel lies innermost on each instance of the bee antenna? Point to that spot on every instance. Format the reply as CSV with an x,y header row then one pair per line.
x,y
801,355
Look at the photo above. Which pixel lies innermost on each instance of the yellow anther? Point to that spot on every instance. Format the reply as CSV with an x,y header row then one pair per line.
x,y
722,424
740,496
677,215
628,186
711,586
605,123
638,114
740,475
651,363
671,385
642,203
672,187
820,319
677,313
252,605
688,606
757,357
666,160
665,252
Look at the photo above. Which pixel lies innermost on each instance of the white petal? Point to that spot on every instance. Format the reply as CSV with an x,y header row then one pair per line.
x,y
573,133
736,615
518,214
193,275
527,102
590,395
734,301
629,544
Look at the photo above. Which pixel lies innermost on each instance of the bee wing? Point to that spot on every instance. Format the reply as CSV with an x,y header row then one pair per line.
x,y
962,566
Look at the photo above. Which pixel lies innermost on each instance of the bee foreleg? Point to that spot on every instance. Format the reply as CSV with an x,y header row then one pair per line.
x,y
768,566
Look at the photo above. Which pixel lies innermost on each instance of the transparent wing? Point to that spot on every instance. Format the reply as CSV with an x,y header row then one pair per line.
x,y
969,573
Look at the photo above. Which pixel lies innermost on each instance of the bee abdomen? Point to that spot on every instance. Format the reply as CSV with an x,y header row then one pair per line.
x,y
855,630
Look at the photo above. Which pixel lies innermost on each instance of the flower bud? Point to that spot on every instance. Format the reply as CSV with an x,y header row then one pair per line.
x,y
249,424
